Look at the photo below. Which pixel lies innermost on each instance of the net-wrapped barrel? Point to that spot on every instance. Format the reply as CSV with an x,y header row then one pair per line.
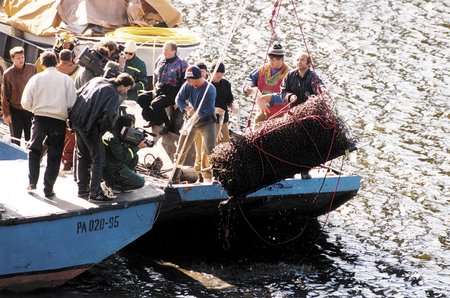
x,y
309,135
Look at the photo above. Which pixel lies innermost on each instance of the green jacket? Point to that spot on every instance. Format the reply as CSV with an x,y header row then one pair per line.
x,y
137,69
118,154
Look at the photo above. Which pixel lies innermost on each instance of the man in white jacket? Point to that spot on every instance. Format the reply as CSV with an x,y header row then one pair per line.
x,y
49,95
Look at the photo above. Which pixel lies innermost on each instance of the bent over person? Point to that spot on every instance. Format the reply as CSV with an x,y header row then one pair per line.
x,y
122,158
93,114
197,98
49,95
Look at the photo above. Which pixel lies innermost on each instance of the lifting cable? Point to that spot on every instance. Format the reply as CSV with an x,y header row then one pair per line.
x,y
273,22
189,126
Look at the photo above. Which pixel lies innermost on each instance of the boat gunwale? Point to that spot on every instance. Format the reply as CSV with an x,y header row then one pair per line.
x,y
102,207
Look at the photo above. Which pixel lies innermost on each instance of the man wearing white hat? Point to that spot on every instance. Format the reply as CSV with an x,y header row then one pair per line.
x,y
135,67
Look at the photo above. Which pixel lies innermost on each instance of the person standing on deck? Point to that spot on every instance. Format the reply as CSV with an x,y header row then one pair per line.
x,y
49,95
13,82
266,81
168,78
302,82
201,118
299,84
201,160
67,66
224,101
94,113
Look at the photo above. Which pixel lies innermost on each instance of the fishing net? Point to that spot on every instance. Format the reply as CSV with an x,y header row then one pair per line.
x,y
308,135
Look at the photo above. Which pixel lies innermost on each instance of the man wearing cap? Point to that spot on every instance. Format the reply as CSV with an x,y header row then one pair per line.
x,y
266,81
168,79
203,68
302,82
197,98
224,101
136,68
68,67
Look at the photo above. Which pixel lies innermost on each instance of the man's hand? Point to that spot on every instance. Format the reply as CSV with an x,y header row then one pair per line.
x,y
262,106
234,108
190,111
187,126
293,98
248,90
7,119
323,90
122,60
219,111
142,144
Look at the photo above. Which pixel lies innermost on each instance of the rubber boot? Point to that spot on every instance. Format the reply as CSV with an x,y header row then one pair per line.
x,y
175,179
200,178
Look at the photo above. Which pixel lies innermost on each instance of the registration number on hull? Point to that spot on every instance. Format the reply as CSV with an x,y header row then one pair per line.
x,y
98,224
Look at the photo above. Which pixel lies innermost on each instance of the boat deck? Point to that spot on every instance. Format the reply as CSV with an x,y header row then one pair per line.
x,y
17,203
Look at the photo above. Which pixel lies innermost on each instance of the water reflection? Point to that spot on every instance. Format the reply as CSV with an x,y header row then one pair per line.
x,y
386,65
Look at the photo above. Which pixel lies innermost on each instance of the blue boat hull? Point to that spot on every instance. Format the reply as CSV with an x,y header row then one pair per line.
x,y
45,253
46,242
303,197
11,152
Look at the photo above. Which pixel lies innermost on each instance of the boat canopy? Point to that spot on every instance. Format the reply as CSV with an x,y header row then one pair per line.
x,y
48,17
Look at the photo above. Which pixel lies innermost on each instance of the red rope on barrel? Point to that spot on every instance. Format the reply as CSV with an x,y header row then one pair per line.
x,y
273,23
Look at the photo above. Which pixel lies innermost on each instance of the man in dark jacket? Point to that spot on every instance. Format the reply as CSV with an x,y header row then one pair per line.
x,y
93,114
168,79
121,158
136,68
302,82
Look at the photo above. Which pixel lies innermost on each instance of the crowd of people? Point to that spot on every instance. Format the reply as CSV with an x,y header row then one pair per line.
x,y
84,107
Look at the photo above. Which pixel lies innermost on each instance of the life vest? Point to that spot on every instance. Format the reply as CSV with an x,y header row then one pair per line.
x,y
270,84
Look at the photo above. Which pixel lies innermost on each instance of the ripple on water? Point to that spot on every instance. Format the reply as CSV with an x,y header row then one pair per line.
x,y
386,66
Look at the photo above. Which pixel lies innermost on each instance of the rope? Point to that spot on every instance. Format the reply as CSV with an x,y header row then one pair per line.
x,y
160,35
189,127
273,23
259,145
264,240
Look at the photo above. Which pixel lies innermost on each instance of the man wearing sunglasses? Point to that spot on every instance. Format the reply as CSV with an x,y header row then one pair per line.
x,y
266,81
136,68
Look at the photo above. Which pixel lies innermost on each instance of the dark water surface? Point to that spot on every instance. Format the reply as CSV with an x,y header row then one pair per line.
x,y
387,66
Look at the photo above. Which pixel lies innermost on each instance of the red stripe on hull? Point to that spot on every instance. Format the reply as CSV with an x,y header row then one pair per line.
x,y
32,281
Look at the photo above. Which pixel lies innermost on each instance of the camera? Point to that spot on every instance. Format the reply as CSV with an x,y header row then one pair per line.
x,y
93,60
134,136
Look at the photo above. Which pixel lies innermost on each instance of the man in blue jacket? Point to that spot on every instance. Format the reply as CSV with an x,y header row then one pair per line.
x,y
197,98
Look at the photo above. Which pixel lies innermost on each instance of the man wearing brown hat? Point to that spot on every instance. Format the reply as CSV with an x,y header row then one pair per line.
x,y
197,98
266,81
